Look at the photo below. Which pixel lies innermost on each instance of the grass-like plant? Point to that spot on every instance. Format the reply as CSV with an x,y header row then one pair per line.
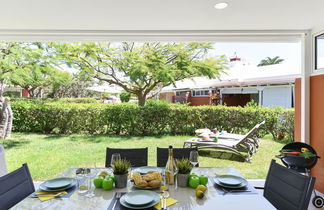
x,y
121,167
184,166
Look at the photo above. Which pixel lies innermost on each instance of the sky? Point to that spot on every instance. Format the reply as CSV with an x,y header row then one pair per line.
x,y
254,52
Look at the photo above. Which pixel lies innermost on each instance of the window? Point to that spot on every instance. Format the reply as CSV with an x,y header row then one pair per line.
x,y
319,51
200,93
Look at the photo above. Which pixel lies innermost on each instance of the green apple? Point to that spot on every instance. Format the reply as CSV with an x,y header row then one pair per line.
x,y
108,184
98,182
191,175
203,180
111,177
194,181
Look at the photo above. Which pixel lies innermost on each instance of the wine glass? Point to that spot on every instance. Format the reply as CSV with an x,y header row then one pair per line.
x,y
194,158
114,157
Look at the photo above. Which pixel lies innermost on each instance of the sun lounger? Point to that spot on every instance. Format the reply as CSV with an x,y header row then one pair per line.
x,y
245,146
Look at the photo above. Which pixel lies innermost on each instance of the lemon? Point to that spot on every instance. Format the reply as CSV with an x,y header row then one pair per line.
x,y
103,173
82,187
202,188
199,194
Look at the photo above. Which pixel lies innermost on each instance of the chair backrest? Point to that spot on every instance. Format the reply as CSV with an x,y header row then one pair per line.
x,y
15,186
137,156
250,133
287,189
162,154
3,167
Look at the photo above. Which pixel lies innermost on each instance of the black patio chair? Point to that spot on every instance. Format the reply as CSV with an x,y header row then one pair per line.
x,y
15,186
137,156
287,189
162,154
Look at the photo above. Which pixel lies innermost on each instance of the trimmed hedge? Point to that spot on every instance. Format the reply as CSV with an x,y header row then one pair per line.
x,y
155,118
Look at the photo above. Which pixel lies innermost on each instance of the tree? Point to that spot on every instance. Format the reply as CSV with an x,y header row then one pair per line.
x,y
142,69
36,79
16,57
75,86
10,55
270,61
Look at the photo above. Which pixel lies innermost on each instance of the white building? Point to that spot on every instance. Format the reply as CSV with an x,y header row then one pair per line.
x,y
269,86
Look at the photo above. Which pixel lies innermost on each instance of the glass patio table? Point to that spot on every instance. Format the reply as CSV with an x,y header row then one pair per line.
x,y
185,196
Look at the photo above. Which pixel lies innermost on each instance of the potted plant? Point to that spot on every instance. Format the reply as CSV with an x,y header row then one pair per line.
x,y
184,168
120,169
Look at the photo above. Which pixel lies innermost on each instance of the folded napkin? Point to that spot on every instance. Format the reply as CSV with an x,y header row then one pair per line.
x,y
45,197
169,201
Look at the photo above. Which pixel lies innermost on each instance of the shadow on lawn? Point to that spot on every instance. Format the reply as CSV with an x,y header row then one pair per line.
x,y
221,155
101,138
10,144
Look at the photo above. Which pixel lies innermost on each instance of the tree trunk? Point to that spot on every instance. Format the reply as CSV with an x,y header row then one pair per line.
x,y
141,99
5,118
10,120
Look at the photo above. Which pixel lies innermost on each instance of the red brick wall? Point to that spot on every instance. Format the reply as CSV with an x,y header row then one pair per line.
x,y
24,93
198,101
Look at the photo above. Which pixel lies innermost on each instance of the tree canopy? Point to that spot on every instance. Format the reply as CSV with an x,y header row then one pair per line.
x,y
142,69
271,61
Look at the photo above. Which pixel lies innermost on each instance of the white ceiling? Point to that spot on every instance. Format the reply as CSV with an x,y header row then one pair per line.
x,y
161,14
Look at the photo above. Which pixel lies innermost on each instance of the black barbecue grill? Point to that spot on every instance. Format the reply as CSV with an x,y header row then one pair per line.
x,y
297,162
300,163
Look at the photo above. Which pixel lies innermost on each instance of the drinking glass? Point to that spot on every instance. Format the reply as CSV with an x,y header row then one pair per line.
x,y
114,157
91,175
194,158
81,177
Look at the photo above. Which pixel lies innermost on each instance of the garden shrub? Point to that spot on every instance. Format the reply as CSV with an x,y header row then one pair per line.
x,y
12,94
125,96
155,118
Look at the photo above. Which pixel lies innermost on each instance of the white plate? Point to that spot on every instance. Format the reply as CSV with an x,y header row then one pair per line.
x,y
139,197
156,199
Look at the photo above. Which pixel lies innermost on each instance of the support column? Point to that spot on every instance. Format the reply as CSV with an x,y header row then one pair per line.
x,y
260,92
307,52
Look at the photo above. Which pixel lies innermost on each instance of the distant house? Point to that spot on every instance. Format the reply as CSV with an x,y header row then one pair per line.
x,y
268,86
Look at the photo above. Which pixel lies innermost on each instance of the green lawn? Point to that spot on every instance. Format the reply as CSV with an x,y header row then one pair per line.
x,y
49,155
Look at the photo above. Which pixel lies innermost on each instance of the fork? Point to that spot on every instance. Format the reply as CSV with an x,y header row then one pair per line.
x,y
118,195
230,191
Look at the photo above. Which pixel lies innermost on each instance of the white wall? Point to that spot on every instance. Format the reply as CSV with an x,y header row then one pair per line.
x,y
277,96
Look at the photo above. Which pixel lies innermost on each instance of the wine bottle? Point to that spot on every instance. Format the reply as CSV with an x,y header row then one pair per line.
x,y
170,168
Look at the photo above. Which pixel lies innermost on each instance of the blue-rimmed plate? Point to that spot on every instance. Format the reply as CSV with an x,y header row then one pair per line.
x,y
58,183
225,181
230,180
155,196
44,188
